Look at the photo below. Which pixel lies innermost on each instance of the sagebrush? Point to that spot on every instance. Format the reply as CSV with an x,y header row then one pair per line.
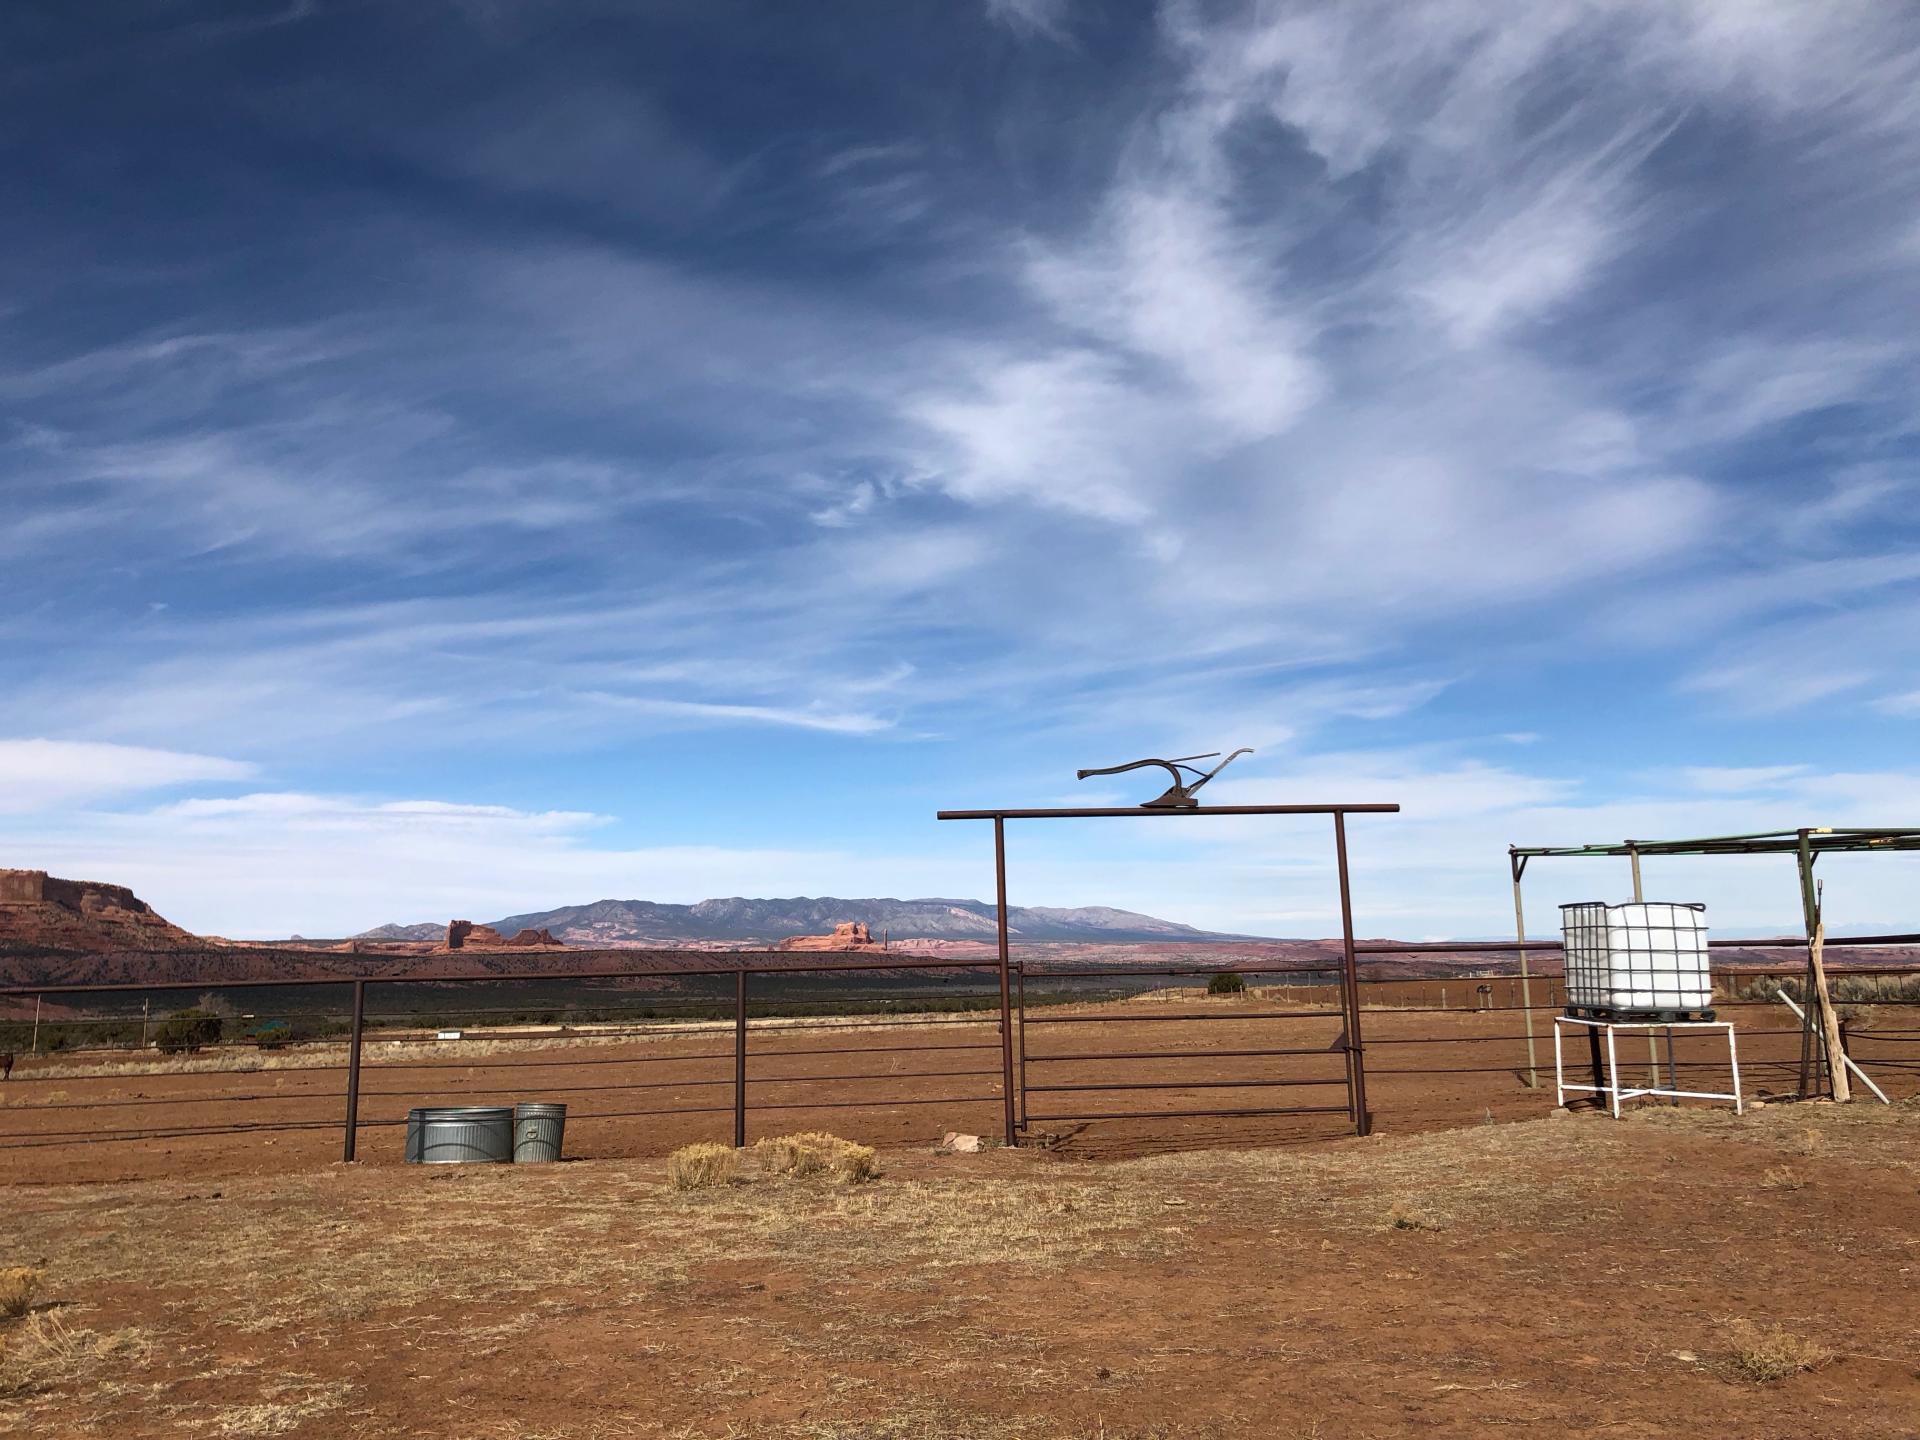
x,y
1772,1352
698,1167
815,1152
18,1285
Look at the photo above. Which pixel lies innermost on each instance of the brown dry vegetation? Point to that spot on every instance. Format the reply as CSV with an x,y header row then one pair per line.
x,y
1772,1352
17,1286
702,1166
1585,1277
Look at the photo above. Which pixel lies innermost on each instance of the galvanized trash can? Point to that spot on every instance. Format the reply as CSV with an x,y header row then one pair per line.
x,y
537,1133
460,1135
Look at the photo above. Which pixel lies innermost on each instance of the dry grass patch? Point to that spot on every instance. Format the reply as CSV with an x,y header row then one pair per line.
x,y
702,1166
1767,1353
1779,1177
286,1407
45,1353
815,1152
1411,1217
18,1285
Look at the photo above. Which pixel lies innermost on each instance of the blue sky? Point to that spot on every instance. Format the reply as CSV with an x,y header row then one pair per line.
x,y
468,457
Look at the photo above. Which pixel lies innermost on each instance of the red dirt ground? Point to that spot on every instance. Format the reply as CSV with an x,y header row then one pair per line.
x,y
1561,1277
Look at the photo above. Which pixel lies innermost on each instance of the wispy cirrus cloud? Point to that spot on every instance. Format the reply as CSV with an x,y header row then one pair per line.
x,y
1346,378
36,774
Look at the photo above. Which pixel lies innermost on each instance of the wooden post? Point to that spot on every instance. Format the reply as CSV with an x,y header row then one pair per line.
x,y
1820,1003
36,1024
1830,1039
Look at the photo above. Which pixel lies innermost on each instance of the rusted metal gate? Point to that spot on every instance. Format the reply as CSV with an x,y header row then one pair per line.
x,y
1016,1056
1091,1076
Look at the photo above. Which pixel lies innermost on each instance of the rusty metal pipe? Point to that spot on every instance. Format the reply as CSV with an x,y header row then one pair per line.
x,y
353,1069
1006,996
740,1060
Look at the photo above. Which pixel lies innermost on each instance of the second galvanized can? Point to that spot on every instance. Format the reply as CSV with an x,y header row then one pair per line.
x,y
537,1133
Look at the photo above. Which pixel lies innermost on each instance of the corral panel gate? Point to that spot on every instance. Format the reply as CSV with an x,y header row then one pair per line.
x,y
1347,1043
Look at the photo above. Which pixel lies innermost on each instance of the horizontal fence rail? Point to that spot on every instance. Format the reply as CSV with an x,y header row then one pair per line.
x,y
772,1035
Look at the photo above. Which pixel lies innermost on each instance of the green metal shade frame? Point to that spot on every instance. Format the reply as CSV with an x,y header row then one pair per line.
x,y
1807,845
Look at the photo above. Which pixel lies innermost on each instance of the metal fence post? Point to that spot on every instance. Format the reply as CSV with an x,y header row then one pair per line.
x,y
1362,1124
1020,974
353,1068
1006,998
1518,864
740,1059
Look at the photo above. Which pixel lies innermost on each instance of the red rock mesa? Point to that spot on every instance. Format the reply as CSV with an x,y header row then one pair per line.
x,y
848,935
39,909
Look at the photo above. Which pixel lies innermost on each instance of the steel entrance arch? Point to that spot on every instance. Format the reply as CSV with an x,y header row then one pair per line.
x,y
1350,1040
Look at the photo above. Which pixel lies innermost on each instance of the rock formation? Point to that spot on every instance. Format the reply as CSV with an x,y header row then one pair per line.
x,y
465,935
39,909
848,935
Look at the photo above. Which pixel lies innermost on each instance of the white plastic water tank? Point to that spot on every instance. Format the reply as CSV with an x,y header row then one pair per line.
x,y
1644,959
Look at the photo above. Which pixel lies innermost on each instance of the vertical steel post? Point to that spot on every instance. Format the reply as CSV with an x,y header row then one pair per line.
x,y
353,1068
1006,996
1519,865
1805,861
1355,1051
740,1058
1653,1047
1020,975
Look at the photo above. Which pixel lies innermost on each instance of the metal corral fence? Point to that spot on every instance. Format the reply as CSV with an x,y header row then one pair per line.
x,y
700,1046
689,1024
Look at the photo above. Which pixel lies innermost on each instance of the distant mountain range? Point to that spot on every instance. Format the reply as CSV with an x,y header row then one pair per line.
x,y
613,923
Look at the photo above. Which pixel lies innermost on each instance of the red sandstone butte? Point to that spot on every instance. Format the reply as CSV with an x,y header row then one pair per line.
x,y
39,909
848,935
465,935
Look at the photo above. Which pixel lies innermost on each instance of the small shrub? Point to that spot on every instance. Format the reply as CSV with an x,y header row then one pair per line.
x,y
855,1164
1779,1177
1227,982
1410,1217
697,1167
1772,1353
796,1155
812,1152
185,1031
18,1285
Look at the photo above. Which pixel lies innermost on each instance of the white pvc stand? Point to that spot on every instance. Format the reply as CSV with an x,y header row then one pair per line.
x,y
1613,1090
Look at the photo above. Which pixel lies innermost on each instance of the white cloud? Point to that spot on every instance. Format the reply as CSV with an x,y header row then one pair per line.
x,y
1740,780
40,774
1031,17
